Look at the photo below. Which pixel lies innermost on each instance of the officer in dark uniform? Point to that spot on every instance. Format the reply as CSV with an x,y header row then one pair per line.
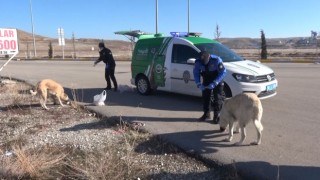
x,y
211,68
107,58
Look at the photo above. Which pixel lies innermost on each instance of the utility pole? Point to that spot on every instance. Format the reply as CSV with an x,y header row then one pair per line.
x,y
156,16
188,16
34,40
27,57
74,46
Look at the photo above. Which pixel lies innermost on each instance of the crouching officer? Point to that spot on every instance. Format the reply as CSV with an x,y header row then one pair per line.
x,y
211,68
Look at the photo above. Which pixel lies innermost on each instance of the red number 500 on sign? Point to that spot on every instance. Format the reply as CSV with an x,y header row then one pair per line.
x,y
8,41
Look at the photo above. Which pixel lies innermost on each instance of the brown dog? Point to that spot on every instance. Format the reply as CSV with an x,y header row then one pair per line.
x,y
47,87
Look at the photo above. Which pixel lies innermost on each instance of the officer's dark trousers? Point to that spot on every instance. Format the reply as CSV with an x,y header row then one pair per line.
x,y
109,74
216,100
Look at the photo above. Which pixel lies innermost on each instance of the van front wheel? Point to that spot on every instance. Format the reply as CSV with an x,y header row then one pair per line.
x,y
143,85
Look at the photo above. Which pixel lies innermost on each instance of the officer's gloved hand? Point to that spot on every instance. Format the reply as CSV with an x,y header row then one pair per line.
x,y
211,86
202,87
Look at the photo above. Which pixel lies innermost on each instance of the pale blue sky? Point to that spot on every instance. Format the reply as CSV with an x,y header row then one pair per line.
x,y
101,18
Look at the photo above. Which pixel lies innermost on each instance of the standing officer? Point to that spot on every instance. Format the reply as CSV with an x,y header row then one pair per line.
x,y
211,68
107,58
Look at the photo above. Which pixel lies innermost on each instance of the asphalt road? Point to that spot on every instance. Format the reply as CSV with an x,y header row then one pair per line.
x,y
290,146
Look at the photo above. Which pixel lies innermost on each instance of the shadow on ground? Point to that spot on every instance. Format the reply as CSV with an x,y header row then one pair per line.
x,y
260,169
160,100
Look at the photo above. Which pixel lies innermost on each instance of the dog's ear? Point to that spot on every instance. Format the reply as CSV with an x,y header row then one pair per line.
x,y
65,96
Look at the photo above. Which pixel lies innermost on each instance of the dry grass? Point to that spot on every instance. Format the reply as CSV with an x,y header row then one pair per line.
x,y
113,162
132,154
31,163
54,162
19,162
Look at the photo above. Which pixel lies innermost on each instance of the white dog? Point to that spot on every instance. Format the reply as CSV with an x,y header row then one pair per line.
x,y
242,108
47,87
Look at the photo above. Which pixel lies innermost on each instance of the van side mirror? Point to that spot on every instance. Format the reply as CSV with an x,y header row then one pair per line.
x,y
191,61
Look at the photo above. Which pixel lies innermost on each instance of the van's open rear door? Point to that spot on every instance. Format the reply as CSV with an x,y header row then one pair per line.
x,y
131,35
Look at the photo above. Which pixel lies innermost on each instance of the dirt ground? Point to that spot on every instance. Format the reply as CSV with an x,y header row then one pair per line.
x,y
30,137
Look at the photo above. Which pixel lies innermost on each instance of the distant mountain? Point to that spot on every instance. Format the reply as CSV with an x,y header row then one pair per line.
x,y
87,47
274,43
241,43
26,36
79,48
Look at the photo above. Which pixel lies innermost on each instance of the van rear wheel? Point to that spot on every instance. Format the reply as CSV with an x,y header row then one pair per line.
x,y
143,85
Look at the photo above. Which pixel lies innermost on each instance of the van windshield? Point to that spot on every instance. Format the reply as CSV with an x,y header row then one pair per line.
x,y
226,54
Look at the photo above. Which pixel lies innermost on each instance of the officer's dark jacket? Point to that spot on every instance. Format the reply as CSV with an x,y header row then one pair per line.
x,y
107,58
213,72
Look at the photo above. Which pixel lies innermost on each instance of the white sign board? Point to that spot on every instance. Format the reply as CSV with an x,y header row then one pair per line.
x,y
8,41
61,37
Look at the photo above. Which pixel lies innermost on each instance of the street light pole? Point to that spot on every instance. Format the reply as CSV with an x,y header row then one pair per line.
x,y
34,40
188,16
156,16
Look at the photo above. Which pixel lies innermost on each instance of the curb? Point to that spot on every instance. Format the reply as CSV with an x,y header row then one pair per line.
x,y
289,61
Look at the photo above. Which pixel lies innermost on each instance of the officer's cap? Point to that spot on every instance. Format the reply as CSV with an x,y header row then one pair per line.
x,y
203,53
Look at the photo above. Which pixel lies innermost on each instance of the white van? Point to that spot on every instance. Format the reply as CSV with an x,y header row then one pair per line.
x,y
166,63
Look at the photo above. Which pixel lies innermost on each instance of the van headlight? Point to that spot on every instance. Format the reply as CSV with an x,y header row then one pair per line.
x,y
244,78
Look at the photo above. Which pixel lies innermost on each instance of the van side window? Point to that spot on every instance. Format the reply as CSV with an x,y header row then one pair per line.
x,y
181,53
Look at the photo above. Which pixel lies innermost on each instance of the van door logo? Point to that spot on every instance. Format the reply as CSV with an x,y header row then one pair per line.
x,y
143,52
186,76
158,68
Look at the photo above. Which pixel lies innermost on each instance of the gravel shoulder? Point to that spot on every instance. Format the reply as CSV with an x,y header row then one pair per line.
x,y
24,121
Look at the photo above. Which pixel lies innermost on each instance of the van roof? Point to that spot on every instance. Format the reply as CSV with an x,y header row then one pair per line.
x,y
193,39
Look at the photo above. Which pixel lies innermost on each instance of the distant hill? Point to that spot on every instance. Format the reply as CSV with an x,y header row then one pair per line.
x,y
82,48
274,43
26,36
87,48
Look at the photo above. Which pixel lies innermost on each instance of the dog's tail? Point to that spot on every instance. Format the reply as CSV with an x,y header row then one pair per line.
x,y
33,93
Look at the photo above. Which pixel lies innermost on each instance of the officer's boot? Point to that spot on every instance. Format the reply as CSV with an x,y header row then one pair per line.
x,y
216,118
205,116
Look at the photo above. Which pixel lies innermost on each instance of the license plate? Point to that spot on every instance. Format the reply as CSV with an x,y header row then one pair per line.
x,y
271,87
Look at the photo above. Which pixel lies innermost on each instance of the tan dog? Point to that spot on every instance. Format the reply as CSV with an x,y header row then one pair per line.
x,y
242,108
47,87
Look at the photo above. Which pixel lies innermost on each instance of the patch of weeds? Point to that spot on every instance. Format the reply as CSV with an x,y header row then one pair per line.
x,y
13,122
36,129
38,163
8,143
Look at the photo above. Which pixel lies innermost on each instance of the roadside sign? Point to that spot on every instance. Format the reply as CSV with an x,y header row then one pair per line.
x,y
61,37
8,42
61,40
